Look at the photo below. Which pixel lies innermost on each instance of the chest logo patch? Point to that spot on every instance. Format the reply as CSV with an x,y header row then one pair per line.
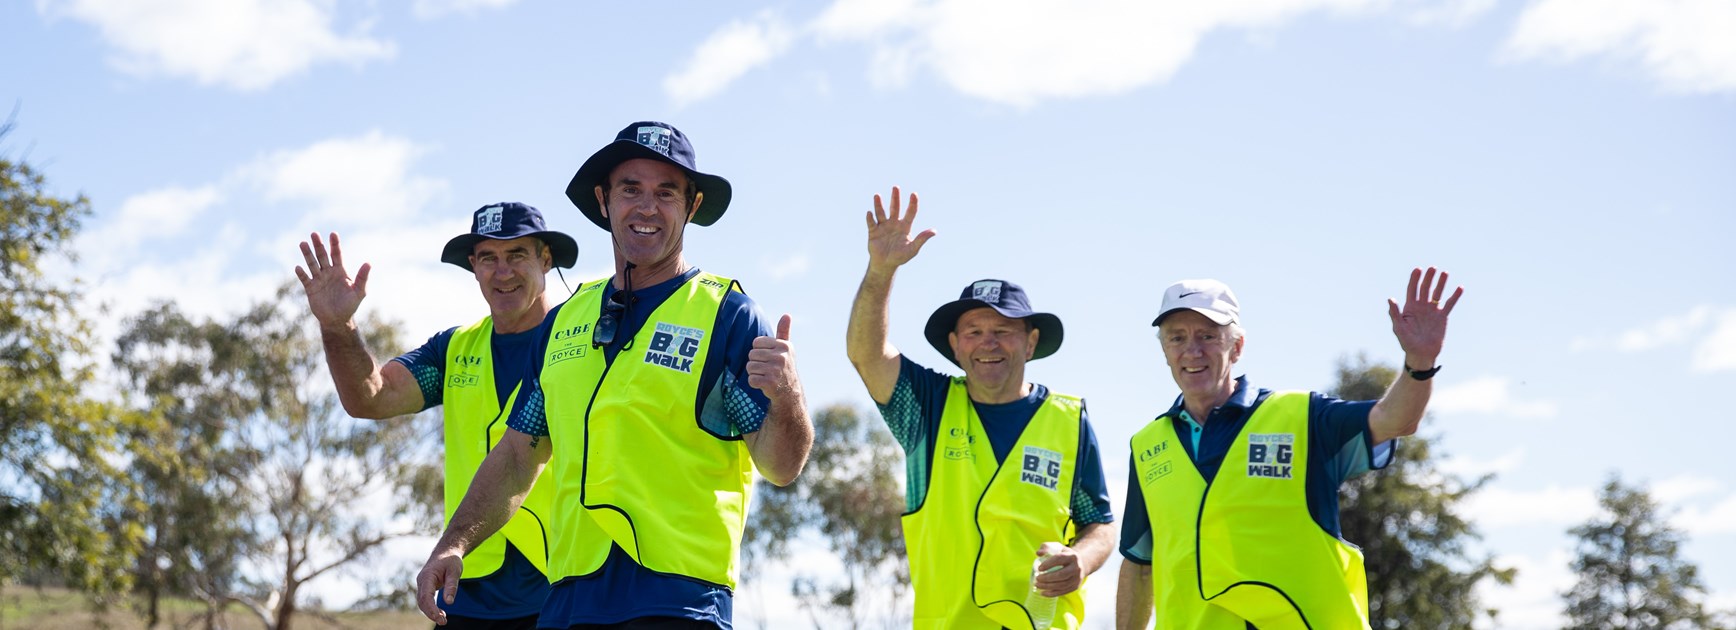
x,y
1155,462
958,444
1269,455
674,347
1041,467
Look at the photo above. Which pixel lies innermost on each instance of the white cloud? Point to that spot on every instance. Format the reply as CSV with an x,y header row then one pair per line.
x,y
164,211
1718,519
1489,395
364,180
215,278
242,44
730,52
145,216
1711,330
1554,506
1666,331
1533,601
1682,487
1022,52
985,48
861,19
1717,351
1473,468
427,9
1685,44
365,187
1450,13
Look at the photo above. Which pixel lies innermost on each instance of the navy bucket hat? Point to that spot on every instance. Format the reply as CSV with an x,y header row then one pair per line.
x,y
506,221
652,141
1006,298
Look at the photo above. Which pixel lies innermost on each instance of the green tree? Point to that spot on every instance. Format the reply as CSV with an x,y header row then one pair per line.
x,y
851,495
1407,520
58,483
1631,575
855,484
272,464
777,518
188,378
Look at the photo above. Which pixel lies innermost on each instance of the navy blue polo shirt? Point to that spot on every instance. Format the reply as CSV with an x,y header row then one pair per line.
x,y
1337,429
622,589
518,589
913,414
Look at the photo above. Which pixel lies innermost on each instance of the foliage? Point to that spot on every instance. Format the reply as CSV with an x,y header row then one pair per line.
x,y
851,495
52,608
265,484
1630,573
1406,519
191,378
58,485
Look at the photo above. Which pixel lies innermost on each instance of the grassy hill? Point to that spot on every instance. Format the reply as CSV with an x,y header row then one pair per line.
x,y
22,608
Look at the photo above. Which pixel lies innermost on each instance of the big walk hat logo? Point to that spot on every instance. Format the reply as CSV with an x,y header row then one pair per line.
x,y
1042,467
987,291
674,347
1269,455
488,221
654,138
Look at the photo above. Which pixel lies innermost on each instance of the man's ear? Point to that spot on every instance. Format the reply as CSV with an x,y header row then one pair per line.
x,y
1031,343
698,198
952,342
1236,352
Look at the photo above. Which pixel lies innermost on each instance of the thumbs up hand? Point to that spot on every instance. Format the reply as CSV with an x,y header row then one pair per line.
x,y
771,364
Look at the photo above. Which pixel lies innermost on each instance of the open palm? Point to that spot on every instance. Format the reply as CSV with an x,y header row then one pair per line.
x,y
332,294
889,242
1421,324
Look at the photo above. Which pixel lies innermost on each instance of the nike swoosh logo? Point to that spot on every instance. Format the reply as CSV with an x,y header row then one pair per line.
x,y
1186,294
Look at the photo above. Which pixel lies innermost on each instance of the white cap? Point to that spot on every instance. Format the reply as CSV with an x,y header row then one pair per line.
x,y
1210,298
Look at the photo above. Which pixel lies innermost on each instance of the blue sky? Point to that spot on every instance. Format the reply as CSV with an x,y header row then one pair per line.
x,y
1571,163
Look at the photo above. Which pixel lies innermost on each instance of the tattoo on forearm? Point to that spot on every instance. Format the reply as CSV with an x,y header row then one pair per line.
x,y
534,440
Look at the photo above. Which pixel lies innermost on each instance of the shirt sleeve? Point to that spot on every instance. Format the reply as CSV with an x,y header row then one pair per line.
x,y
1090,502
427,364
913,411
1135,522
1341,431
912,414
528,416
727,404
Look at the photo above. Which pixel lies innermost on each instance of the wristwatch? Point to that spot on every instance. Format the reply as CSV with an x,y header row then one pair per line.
x,y
1422,375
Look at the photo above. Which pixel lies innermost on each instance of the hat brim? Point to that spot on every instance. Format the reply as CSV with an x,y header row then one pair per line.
x,y
562,248
1216,317
582,189
945,320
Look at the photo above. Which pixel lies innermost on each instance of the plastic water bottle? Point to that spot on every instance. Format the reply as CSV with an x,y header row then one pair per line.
x,y
1042,608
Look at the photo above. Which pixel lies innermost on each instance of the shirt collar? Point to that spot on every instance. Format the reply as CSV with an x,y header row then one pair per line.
x,y
1243,397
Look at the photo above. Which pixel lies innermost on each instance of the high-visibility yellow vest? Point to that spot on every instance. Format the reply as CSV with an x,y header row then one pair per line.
x,y
474,424
632,464
1244,547
972,540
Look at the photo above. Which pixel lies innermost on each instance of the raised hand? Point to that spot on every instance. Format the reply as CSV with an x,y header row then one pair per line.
x,y
332,294
1421,325
889,241
771,364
